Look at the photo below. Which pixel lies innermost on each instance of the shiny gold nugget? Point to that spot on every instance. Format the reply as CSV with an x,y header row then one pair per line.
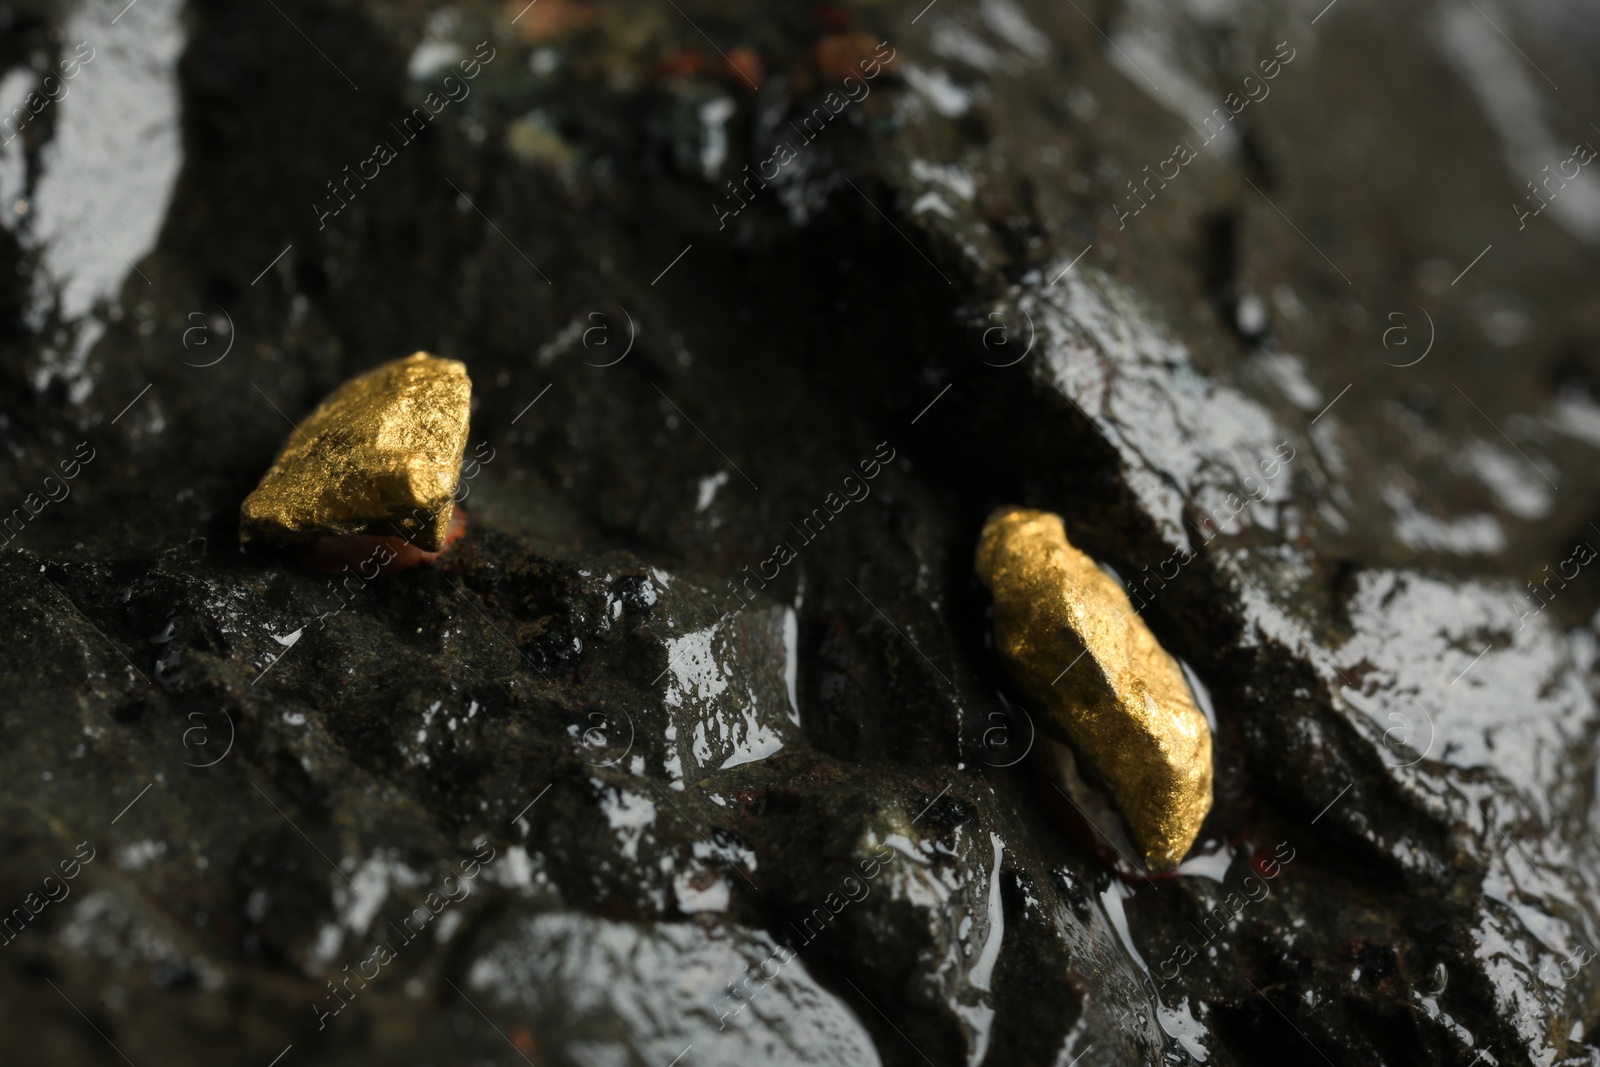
x,y
384,448
1124,705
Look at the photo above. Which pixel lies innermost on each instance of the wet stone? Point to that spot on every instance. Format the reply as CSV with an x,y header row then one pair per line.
x,y
710,662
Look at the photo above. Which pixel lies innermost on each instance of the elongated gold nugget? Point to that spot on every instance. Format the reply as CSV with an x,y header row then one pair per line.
x,y
1122,702
382,453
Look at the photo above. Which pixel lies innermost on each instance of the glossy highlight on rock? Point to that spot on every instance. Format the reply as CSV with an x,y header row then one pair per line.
x,y
381,454
1073,644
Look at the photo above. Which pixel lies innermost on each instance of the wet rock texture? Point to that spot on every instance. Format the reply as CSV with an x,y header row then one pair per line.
x,y
696,746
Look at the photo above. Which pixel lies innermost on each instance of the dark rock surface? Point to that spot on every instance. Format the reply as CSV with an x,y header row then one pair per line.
x,y
644,816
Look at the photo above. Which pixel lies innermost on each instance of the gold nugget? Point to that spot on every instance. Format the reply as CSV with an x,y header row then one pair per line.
x,y
1123,704
382,452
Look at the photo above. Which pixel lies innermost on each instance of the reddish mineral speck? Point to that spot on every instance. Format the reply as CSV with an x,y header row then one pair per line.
x,y
378,554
